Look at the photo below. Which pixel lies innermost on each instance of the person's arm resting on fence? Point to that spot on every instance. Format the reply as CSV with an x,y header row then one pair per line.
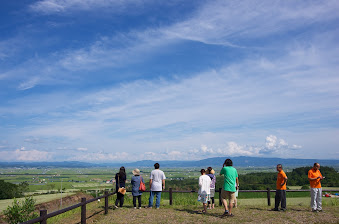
x,y
163,184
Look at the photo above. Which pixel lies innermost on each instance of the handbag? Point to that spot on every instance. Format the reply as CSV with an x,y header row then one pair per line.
x,y
142,185
121,190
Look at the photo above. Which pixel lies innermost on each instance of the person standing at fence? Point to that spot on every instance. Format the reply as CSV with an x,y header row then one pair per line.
x,y
230,186
204,189
135,187
210,172
156,184
280,193
315,177
120,180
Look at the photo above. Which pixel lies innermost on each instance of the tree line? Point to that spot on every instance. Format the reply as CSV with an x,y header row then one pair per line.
x,y
263,180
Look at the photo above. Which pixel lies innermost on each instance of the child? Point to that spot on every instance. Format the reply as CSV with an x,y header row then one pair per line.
x,y
204,189
210,172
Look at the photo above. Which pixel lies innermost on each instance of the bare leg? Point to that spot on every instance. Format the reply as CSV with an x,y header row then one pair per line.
x,y
230,207
235,202
205,207
224,202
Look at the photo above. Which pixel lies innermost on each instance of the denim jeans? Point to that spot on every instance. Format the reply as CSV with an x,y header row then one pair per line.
x,y
151,197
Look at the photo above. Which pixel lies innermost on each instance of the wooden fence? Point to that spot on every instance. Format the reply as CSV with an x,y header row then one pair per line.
x,y
44,216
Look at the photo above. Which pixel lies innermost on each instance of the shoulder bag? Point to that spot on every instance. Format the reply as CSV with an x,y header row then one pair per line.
x,y
142,185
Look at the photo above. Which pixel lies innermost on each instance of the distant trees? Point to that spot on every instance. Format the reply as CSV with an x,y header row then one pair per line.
x,y
264,180
298,177
9,190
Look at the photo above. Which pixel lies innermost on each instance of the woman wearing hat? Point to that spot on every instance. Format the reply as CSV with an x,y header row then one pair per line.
x,y
210,172
135,187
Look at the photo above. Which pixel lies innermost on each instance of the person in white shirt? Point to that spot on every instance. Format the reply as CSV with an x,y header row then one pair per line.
x,y
204,189
156,184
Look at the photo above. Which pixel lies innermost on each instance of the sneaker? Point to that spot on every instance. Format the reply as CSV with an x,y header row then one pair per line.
x,y
135,207
320,210
225,214
157,207
283,209
275,209
315,210
116,206
230,215
139,207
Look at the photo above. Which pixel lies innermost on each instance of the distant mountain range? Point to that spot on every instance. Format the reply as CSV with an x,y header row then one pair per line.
x,y
241,161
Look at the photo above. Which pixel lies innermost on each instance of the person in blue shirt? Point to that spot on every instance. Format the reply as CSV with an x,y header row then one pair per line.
x,y
135,187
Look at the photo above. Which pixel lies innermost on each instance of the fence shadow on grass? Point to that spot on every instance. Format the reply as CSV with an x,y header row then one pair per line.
x,y
257,208
199,212
93,214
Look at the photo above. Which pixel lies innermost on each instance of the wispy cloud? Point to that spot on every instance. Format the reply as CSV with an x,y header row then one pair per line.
x,y
62,6
223,23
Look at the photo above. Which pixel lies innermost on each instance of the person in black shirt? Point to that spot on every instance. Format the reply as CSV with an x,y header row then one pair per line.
x,y
120,180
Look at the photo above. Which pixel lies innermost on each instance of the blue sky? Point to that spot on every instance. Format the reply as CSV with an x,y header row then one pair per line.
x,y
113,80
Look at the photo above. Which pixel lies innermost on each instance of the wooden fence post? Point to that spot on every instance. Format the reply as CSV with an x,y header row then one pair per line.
x,y
106,202
83,211
43,213
220,201
268,197
170,196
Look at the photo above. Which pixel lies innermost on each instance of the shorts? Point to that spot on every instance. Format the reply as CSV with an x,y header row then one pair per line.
x,y
228,195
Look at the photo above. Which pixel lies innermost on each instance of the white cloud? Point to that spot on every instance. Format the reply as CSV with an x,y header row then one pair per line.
x,y
274,145
26,155
33,140
102,156
205,149
82,149
30,83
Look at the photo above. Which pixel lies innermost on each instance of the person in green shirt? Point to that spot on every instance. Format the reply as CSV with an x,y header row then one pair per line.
x,y
231,185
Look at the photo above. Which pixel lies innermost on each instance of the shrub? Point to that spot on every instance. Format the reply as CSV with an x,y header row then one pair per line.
x,y
21,211
305,187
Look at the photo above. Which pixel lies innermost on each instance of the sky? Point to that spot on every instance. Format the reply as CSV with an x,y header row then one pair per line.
x,y
113,80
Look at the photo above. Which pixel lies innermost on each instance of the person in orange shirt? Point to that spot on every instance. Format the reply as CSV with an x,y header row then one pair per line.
x,y
314,176
280,193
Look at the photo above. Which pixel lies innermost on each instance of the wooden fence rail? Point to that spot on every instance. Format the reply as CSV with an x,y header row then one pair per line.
x,y
44,216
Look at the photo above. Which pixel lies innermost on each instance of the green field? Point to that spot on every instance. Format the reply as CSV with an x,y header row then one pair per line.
x,y
39,199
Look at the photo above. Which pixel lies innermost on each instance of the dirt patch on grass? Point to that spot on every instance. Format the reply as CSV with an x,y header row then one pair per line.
x,y
66,201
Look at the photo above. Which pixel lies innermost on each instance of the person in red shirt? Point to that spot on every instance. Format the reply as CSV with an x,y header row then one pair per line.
x,y
314,176
280,193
